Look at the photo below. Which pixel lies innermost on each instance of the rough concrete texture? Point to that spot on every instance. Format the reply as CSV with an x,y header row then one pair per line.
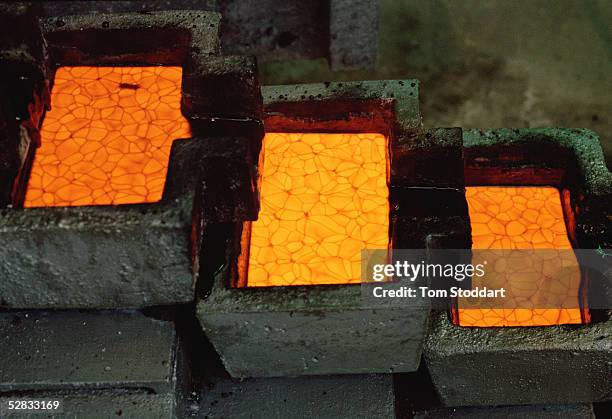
x,y
289,331
95,257
353,34
275,31
128,256
316,329
579,411
25,95
515,365
166,37
268,29
102,404
69,350
351,396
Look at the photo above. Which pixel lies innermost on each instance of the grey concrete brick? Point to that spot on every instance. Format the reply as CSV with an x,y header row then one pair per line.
x,y
295,29
579,411
304,330
351,396
95,257
519,365
289,331
86,350
353,34
570,159
128,256
317,329
101,404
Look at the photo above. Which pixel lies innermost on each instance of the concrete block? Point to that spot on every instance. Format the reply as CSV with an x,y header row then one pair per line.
x,y
95,257
289,331
354,396
508,156
353,34
98,404
520,365
86,350
578,411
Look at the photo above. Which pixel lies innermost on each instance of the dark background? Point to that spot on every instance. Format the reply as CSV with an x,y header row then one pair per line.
x,y
491,63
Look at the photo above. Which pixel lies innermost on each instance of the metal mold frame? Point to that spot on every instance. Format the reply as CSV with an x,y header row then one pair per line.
x,y
327,329
128,256
532,365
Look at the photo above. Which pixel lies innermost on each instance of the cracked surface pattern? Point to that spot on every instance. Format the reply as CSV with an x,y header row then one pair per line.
x,y
107,138
324,197
522,218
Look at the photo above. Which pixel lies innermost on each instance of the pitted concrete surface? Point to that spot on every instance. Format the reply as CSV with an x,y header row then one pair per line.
x,y
104,404
579,411
94,257
473,366
332,397
67,350
82,39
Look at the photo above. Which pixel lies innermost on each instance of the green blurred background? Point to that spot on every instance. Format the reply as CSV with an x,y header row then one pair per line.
x,y
491,63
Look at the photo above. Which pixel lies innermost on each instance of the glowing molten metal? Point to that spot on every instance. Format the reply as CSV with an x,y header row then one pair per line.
x,y
521,218
106,139
324,198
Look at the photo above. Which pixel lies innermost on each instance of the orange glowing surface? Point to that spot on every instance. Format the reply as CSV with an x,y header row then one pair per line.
x,y
106,139
520,218
324,197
